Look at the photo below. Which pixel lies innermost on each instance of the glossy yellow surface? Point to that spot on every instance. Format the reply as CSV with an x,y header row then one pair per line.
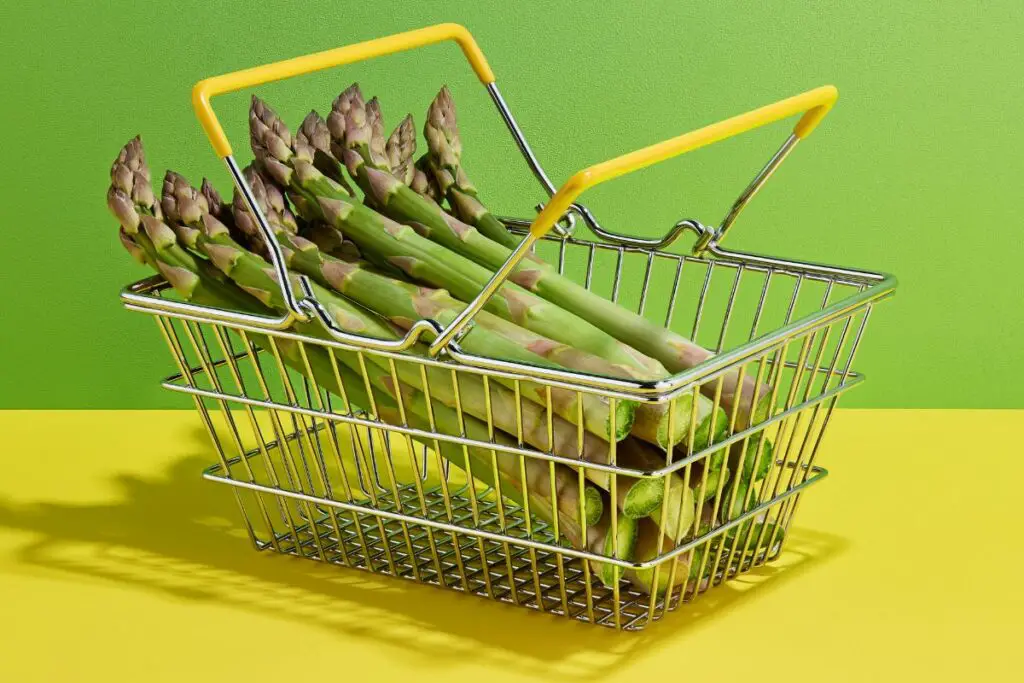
x,y
118,563
217,85
814,104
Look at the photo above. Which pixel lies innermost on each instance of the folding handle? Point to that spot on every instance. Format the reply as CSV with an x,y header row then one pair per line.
x,y
349,54
814,104
307,307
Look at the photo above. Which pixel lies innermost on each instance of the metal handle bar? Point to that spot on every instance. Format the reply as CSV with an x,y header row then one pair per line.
x,y
814,104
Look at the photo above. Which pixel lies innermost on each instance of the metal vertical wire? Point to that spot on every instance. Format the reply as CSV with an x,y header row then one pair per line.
x,y
167,331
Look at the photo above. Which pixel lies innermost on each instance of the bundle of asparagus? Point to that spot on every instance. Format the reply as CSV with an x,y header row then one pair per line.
x,y
379,265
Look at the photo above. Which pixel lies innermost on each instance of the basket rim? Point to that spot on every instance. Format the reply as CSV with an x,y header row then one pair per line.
x,y
144,296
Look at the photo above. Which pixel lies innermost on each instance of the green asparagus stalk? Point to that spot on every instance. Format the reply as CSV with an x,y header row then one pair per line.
x,y
255,276
500,404
441,131
397,200
434,266
332,242
203,289
620,545
355,138
647,549
403,304
401,246
497,469
132,201
182,201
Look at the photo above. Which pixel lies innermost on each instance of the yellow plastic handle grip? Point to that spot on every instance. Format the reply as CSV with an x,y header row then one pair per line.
x,y
217,85
814,103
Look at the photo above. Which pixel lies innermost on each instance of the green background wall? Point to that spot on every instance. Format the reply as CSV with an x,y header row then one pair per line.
x,y
917,171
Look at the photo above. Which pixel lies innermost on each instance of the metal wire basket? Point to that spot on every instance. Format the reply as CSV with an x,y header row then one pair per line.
x,y
318,476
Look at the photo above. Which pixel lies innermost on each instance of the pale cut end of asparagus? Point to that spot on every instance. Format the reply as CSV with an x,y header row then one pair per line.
x,y
644,497
400,148
593,505
625,534
180,201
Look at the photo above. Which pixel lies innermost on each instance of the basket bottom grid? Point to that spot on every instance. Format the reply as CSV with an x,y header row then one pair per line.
x,y
542,580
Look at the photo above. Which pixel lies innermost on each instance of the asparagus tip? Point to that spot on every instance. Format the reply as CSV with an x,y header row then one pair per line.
x,y
180,201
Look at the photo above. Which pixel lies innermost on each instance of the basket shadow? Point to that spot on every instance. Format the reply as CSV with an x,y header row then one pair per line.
x,y
180,536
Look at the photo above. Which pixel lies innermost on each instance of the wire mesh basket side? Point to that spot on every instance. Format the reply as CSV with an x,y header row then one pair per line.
x,y
291,458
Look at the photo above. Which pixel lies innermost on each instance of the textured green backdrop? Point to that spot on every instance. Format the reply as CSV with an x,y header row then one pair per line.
x,y
917,171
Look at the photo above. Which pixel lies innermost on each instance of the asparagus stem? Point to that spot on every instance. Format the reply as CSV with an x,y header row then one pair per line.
x,y
422,259
255,276
441,131
353,131
157,245
673,350
403,304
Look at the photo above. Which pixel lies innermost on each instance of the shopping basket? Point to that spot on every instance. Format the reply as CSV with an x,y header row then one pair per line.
x,y
319,476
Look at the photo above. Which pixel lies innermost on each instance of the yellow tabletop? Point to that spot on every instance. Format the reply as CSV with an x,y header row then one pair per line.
x,y
118,563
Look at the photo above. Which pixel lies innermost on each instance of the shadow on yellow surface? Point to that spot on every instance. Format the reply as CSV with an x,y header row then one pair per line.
x,y
179,535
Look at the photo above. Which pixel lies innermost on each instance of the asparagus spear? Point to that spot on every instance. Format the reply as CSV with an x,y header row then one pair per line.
x,y
399,150
423,182
314,134
131,199
194,284
353,128
401,246
620,545
441,131
501,471
182,201
215,204
673,350
500,404
403,304
431,263
331,241
254,275
538,483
